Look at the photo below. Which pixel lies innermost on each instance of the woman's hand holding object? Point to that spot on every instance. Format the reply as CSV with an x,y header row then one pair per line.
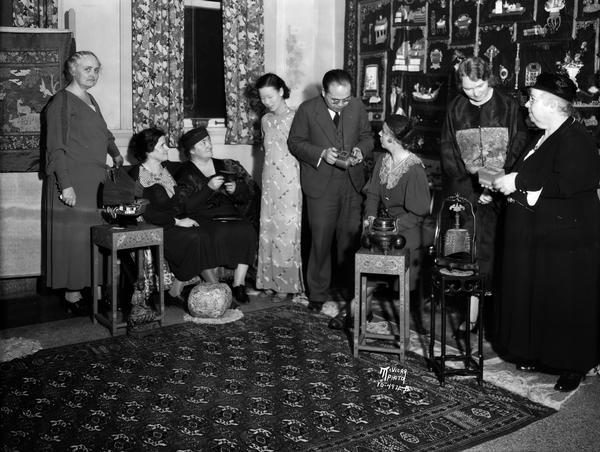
x,y
506,184
118,161
68,196
485,197
230,187
215,182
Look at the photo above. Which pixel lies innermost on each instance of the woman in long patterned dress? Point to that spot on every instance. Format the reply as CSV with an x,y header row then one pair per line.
x,y
279,261
78,142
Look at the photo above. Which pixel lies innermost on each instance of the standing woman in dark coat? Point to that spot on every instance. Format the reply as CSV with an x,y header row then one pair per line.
x,y
78,141
550,298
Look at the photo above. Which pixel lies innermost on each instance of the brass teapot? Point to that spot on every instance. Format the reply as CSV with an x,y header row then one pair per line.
x,y
382,233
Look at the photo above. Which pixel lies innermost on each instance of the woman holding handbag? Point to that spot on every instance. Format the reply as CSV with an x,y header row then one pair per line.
x,y
77,144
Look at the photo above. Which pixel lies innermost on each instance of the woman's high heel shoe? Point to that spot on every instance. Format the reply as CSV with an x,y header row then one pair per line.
x,y
460,333
78,308
569,381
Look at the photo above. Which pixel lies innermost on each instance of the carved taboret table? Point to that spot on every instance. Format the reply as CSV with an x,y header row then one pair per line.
x,y
395,262
111,238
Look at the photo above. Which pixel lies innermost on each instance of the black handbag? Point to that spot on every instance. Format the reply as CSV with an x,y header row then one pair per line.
x,y
119,187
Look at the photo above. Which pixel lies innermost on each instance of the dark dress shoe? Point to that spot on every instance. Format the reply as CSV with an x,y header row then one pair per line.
x,y
240,295
79,309
568,381
343,320
315,306
177,300
340,321
526,366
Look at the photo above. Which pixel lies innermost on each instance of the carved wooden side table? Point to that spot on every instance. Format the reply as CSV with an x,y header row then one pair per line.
x,y
111,239
395,262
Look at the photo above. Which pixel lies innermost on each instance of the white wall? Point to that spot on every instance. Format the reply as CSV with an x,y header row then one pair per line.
x,y
104,27
303,40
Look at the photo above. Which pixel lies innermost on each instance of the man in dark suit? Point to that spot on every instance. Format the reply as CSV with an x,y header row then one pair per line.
x,y
330,136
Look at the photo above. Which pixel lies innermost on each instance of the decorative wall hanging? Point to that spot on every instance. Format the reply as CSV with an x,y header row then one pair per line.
x,y
31,72
371,81
497,45
374,25
410,49
463,23
554,22
397,96
582,51
521,38
429,89
506,12
439,20
536,58
439,58
410,13
588,9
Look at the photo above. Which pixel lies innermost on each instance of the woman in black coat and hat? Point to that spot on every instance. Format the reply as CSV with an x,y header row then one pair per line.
x,y
549,310
217,196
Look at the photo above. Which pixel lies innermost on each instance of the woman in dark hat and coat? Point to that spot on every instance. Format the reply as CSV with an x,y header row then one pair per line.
x,y
217,196
194,244
550,298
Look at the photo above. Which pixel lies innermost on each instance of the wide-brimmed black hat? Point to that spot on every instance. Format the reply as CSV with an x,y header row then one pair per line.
x,y
558,84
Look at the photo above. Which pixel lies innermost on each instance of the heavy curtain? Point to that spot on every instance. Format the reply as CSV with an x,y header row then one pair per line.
x,y
157,63
35,13
243,53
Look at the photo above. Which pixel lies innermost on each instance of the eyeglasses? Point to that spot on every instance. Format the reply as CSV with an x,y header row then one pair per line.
x,y
336,101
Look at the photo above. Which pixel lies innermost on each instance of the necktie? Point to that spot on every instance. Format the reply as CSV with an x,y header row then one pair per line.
x,y
336,119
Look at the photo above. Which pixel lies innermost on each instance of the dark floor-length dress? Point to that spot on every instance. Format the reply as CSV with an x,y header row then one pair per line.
x,y
78,141
236,241
550,305
187,250
514,291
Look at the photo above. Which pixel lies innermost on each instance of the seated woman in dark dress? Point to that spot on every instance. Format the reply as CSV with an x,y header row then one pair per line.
x,y
191,245
214,193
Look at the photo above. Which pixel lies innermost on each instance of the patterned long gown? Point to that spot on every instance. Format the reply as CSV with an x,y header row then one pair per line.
x,y
279,260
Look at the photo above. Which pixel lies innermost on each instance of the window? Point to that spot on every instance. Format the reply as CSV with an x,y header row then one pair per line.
x,y
203,80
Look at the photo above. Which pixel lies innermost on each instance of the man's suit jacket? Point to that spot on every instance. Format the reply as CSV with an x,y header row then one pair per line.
x,y
313,130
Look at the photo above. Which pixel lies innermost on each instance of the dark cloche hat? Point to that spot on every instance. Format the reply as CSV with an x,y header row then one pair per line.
x,y
557,84
191,137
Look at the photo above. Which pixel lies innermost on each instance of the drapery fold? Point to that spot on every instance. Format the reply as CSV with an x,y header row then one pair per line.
x,y
243,53
157,66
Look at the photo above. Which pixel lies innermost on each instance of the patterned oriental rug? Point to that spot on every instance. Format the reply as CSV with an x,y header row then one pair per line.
x,y
277,380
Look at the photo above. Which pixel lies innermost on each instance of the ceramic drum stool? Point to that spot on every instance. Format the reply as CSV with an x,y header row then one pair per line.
x,y
209,300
